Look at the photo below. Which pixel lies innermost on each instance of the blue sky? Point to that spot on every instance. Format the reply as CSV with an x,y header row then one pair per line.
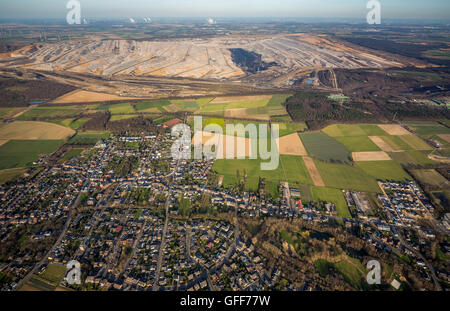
x,y
405,9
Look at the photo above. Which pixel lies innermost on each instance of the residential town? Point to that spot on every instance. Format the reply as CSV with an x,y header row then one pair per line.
x,y
137,219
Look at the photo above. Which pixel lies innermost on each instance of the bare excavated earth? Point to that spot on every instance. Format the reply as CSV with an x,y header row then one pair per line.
x,y
209,58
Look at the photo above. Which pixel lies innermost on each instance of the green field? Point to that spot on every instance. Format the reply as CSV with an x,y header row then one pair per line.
x,y
71,122
223,122
42,113
54,274
428,128
252,108
118,108
349,130
325,148
415,142
353,273
190,106
6,111
431,177
48,281
384,170
396,143
18,153
342,176
445,144
412,157
9,174
290,128
163,119
419,76
72,154
234,105
153,106
291,169
281,119
88,138
439,54
334,196
358,143
278,99
122,117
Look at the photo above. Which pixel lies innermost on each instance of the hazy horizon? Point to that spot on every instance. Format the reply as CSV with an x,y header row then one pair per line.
x,y
289,9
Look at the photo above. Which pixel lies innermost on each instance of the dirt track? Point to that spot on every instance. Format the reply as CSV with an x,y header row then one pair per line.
x,y
313,172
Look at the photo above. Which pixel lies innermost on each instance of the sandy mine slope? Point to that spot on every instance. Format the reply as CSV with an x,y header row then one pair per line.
x,y
198,58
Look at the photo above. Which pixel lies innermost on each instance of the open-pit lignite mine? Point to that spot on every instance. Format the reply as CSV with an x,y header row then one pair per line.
x,y
206,58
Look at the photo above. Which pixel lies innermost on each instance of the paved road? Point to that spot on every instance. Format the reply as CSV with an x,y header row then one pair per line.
x,y
429,266
55,245
155,286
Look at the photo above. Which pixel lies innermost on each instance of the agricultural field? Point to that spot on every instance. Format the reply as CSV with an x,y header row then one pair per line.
x,y
396,143
370,156
9,174
223,122
415,142
163,119
331,195
291,169
9,112
118,108
152,106
351,270
432,178
33,130
54,273
358,143
47,113
427,128
350,130
290,128
19,153
384,170
394,129
325,148
183,105
70,122
341,176
122,117
82,96
47,281
72,154
88,138
291,145
260,107
412,157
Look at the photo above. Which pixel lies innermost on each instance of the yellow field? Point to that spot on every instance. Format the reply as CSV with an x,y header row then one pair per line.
x,y
313,172
370,156
377,140
226,146
394,129
81,96
31,130
291,145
